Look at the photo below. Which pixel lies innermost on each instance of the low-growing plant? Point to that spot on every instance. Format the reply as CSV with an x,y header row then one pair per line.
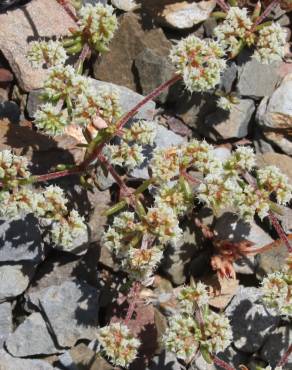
x,y
179,176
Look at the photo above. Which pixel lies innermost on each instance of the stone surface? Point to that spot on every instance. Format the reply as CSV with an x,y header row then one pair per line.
x,y
31,338
271,260
276,345
126,5
256,79
274,116
179,15
228,125
229,227
255,323
8,362
164,361
128,99
21,240
83,358
5,321
71,310
14,279
130,40
233,357
34,100
228,77
34,23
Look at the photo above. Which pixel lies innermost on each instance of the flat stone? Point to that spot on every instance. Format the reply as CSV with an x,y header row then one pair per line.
x,y
256,79
125,5
5,321
276,345
71,310
8,362
14,279
38,19
164,361
21,240
128,99
255,323
271,260
228,125
31,338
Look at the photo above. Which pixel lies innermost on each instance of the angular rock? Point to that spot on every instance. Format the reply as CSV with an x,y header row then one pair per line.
x,y
130,40
5,321
38,19
271,260
31,338
128,99
82,357
256,79
34,100
126,5
164,361
14,279
230,227
276,345
8,362
228,125
71,310
274,115
179,15
21,240
255,323
228,77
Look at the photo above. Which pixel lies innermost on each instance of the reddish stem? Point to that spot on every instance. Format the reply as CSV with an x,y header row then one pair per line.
x,y
223,364
82,56
68,9
135,291
285,357
280,231
56,175
223,5
265,13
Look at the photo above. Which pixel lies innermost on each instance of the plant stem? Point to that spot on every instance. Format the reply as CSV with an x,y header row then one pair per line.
x,y
55,175
68,10
265,13
135,291
223,5
285,357
223,364
82,56
274,221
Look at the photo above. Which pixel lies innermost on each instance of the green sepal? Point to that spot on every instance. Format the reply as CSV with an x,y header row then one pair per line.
x,y
116,208
257,11
218,15
74,49
206,355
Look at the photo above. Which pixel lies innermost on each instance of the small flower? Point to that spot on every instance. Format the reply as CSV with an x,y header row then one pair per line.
x,y
270,44
200,62
142,132
271,179
163,223
124,155
55,202
241,160
277,291
12,167
18,203
190,296
165,163
51,119
50,53
98,24
224,103
182,337
172,197
118,343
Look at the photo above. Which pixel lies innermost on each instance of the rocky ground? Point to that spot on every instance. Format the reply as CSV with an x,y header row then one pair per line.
x,y
52,302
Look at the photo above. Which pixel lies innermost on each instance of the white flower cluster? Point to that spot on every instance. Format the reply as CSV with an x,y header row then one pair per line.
x,y
237,30
277,291
270,44
50,119
12,167
185,337
224,103
275,368
51,53
193,296
97,25
139,243
199,62
118,343
172,196
129,153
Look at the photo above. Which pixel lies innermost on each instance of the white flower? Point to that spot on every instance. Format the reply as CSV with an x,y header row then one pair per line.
x,y
165,163
193,295
49,52
118,343
98,23
51,119
241,160
173,197
142,132
124,155
224,103
12,167
200,62
270,44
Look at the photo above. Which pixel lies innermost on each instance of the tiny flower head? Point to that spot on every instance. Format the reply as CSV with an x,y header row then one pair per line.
x,y
49,52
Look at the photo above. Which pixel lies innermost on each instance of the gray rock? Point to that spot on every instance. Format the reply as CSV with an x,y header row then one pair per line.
x,y
255,323
228,125
5,321
228,77
10,110
128,99
230,227
31,338
125,5
233,357
8,362
34,100
21,240
257,80
164,361
154,69
34,23
271,260
71,310
276,345
14,279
